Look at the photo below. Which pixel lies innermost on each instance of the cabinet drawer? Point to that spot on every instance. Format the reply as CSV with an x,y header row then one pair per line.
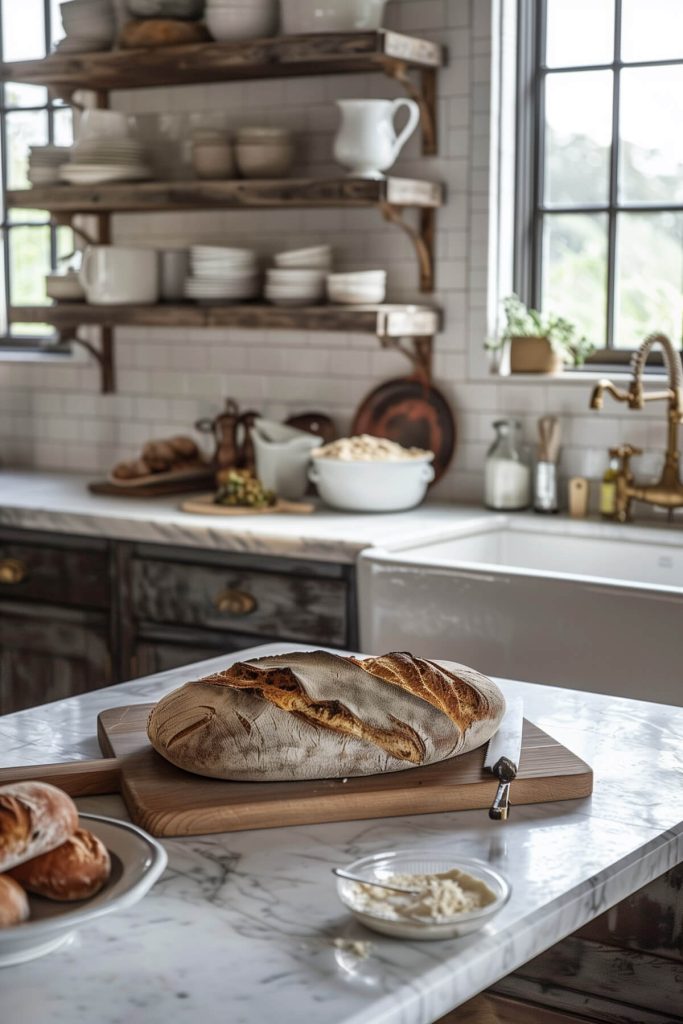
x,y
257,603
54,574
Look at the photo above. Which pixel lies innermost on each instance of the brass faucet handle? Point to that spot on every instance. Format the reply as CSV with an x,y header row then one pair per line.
x,y
625,452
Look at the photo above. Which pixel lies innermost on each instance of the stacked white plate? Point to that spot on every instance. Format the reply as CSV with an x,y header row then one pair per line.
x,y
90,25
44,163
99,158
316,257
363,287
294,287
222,274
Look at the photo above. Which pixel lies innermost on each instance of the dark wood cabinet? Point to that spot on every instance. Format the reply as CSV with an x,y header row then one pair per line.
x,y
79,613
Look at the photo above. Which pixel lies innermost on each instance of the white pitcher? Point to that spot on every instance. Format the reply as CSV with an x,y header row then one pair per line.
x,y
282,455
367,142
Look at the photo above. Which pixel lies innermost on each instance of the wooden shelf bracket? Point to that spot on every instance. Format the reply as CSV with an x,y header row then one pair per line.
x,y
423,91
421,237
104,356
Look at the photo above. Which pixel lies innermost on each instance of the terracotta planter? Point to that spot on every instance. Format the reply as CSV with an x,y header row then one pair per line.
x,y
533,355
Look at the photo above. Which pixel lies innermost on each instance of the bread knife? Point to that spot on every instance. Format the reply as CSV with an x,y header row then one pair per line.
x,y
503,754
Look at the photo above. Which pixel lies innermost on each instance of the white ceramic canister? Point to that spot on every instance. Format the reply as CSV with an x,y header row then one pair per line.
x,y
120,275
366,142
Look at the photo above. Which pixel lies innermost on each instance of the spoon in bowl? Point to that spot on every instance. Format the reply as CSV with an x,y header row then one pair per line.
x,y
340,873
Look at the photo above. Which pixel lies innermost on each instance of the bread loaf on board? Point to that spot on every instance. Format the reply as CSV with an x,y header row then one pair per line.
x,y
314,715
34,817
76,870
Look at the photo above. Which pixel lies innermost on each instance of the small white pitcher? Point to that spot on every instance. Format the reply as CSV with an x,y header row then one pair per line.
x,y
367,143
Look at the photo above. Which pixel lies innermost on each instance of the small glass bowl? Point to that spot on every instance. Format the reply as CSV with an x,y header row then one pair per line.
x,y
378,868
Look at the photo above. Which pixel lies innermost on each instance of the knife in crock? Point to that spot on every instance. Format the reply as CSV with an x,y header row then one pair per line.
x,y
503,754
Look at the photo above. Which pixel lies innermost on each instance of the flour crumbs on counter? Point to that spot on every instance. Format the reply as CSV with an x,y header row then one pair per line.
x,y
360,948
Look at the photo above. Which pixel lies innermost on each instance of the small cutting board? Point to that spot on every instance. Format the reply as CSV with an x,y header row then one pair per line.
x,y
170,802
205,505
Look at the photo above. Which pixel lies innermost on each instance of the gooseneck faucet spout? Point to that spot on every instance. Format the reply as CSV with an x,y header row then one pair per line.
x,y
668,492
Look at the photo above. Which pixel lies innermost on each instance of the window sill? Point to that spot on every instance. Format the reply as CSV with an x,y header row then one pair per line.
x,y
575,377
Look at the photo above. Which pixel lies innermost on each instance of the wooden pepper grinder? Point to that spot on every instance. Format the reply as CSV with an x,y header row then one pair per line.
x,y
224,430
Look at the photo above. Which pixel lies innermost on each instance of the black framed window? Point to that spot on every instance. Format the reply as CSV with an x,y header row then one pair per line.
x,y
29,244
600,166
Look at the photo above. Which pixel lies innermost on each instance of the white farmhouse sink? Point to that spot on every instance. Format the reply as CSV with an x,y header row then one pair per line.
x,y
589,605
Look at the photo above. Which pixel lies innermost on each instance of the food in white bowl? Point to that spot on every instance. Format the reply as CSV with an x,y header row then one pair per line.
x,y
456,895
371,474
301,16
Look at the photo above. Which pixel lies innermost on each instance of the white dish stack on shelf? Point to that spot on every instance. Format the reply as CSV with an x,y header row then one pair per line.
x,y
105,150
44,163
298,277
359,288
241,19
222,274
89,25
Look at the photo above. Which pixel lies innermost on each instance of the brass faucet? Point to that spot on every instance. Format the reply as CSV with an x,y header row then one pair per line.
x,y
668,491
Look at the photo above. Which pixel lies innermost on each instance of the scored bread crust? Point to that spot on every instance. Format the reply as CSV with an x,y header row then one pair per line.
x,y
34,817
14,906
312,715
76,870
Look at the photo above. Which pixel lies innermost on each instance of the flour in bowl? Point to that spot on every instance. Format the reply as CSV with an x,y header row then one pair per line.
x,y
365,448
440,896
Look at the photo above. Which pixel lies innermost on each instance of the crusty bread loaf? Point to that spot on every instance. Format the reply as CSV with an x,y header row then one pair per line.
x,y
76,870
34,817
313,715
14,906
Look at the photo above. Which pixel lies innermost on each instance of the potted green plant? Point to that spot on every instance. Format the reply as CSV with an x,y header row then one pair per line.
x,y
540,342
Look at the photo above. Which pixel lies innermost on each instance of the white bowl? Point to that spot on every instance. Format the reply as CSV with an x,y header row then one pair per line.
x,y
137,862
316,257
380,866
255,20
354,295
64,287
296,275
264,159
302,16
381,486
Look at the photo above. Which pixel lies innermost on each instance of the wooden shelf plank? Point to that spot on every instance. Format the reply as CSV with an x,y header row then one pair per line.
x,y
195,194
223,62
385,321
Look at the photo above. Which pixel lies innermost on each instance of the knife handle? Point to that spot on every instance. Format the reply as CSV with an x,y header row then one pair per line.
x,y
500,808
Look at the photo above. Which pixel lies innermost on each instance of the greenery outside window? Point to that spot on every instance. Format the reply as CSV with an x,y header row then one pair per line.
x,y
599,201
29,244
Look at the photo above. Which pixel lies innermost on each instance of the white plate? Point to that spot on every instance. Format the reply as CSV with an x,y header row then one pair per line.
x,y
99,175
137,862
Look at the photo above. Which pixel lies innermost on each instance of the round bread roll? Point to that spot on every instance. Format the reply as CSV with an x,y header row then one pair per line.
x,y
184,448
13,903
34,817
314,715
76,870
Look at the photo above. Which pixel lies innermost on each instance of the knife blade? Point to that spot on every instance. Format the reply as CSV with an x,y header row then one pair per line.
x,y
503,754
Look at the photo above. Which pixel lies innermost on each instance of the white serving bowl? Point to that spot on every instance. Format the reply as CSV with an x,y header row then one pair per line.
x,y
381,486
380,866
302,16
316,257
251,20
355,295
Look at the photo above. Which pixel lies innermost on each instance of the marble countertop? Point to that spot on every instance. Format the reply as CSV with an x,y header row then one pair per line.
x,y
61,503
241,927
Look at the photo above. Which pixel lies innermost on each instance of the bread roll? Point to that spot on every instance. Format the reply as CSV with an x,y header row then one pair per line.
x,y
76,870
34,817
13,902
315,715
184,447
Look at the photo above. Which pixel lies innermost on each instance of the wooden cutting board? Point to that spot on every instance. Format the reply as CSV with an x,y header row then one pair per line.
x,y
169,802
204,505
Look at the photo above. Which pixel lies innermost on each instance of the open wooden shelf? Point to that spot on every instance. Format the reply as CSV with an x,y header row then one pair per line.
x,y
391,196
384,321
392,53
147,196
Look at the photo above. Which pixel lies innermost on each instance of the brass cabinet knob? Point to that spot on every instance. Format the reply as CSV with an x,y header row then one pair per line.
x,y
235,602
12,570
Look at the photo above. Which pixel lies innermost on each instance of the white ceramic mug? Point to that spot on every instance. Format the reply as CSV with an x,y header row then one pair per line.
x,y
367,143
117,275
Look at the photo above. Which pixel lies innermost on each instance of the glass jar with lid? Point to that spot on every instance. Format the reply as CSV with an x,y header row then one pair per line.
x,y
507,477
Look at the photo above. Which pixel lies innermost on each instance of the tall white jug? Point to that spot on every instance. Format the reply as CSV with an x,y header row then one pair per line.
x,y
367,143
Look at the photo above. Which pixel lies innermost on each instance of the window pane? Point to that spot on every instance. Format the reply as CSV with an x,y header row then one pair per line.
x,y
651,30
578,110
649,279
17,215
651,119
29,263
575,270
23,30
63,127
24,129
56,27
19,95
579,32
65,242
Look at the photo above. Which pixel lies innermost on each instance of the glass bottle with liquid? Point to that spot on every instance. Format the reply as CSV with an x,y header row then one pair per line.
x,y
507,477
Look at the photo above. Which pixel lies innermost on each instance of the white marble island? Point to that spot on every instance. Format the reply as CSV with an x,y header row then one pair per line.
x,y
240,929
